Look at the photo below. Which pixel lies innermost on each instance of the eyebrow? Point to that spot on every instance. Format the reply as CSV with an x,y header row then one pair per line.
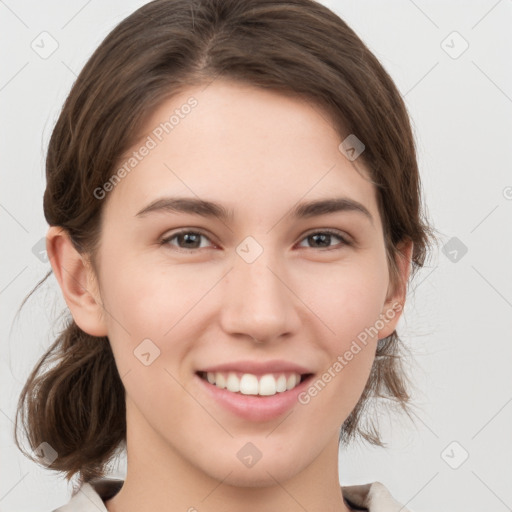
x,y
215,210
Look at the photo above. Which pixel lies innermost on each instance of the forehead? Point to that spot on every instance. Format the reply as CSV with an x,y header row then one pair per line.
x,y
242,144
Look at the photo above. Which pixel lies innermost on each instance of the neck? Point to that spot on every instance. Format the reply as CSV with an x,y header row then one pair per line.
x,y
158,478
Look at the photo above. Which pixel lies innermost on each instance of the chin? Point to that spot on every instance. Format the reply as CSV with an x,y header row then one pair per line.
x,y
263,473
257,478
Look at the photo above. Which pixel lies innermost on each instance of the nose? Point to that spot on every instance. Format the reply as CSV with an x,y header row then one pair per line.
x,y
258,303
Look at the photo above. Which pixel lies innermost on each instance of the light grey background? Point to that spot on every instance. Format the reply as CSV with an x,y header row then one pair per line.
x,y
458,318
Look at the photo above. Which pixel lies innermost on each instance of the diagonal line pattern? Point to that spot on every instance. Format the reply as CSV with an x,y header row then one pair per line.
x,y
424,14
486,14
492,211
216,487
492,418
81,490
4,4
286,491
122,377
75,15
18,482
305,194
493,287
424,423
13,279
204,295
12,78
422,78
17,427
405,504
492,81
166,166
508,507
301,300
425,278
281,422
69,68
199,403
12,216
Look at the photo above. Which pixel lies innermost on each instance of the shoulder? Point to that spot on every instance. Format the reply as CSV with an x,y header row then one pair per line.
x,y
373,497
90,497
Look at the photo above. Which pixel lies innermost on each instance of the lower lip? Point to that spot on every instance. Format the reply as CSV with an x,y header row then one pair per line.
x,y
255,407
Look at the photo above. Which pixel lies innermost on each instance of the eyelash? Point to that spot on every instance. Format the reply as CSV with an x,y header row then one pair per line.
x,y
344,241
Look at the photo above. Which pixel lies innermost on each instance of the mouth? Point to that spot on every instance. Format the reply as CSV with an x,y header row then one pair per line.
x,y
268,384
255,391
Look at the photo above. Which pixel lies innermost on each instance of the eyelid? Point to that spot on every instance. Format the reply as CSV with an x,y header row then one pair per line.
x,y
198,231
346,240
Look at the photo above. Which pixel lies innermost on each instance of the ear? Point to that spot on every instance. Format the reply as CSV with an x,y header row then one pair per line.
x,y
77,281
395,300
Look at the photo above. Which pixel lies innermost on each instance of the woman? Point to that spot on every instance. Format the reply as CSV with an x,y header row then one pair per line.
x,y
234,208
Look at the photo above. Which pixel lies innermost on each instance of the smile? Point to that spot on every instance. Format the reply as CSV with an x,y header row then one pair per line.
x,y
249,384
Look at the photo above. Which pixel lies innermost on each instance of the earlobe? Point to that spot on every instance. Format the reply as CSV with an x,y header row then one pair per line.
x,y
76,280
394,304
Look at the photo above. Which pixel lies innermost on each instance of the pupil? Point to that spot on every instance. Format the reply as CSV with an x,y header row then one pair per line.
x,y
189,237
324,237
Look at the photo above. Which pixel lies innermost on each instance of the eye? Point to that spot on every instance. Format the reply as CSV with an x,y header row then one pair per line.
x,y
191,240
322,239
186,240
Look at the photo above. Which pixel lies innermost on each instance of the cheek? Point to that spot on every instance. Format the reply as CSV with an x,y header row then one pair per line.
x,y
147,300
347,299
147,315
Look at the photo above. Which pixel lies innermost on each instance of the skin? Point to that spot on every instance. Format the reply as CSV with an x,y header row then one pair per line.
x,y
258,153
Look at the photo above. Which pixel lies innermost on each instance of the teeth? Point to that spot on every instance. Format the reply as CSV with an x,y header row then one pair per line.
x,y
292,381
233,383
249,384
220,381
281,384
268,385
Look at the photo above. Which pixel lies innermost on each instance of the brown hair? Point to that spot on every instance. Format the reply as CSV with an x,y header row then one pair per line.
x,y
77,405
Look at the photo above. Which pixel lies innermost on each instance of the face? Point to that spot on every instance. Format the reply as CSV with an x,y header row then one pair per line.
x,y
270,287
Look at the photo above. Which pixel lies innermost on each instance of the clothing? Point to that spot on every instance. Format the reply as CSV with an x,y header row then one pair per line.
x,y
372,497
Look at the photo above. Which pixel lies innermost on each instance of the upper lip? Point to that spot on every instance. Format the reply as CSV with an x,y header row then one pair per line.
x,y
258,367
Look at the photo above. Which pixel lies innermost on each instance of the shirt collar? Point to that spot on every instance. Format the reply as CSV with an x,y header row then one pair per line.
x,y
372,497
